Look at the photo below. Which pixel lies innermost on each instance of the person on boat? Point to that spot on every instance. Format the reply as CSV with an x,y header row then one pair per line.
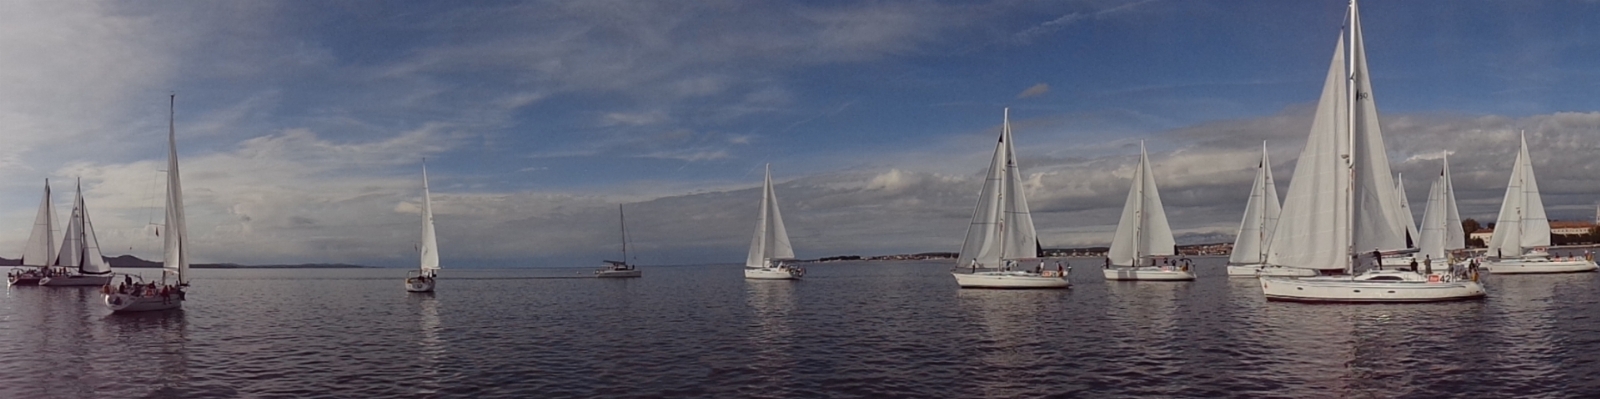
x,y
1060,271
1427,263
1108,263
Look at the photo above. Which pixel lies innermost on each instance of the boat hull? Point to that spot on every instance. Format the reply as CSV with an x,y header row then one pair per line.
x,y
1540,266
1010,280
1268,271
75,281
22,280
1146,273
124,303
618,273
1346,290
770,273
420,285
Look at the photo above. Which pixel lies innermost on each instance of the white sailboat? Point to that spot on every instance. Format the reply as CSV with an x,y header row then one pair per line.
x,y
40,251
1143,233
1522,231
1442,235
79,264
1340,201
1001,235
1249,257
169,292
423,279
619,269
771,242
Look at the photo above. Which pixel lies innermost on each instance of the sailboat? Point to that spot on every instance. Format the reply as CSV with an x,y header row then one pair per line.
x,y
40,252
1522,232
79,263
771,242
423,279
619,268
1442,235
1249,257
1143,233
169,292
1340,201
1001,235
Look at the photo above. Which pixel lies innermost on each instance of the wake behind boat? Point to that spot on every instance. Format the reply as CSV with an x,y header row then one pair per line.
x,y
1341,198
140,297
616,269
424,278
770,246
1143,233
1522,231
1001,234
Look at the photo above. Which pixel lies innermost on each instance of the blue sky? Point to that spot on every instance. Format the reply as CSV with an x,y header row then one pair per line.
x,y
302,125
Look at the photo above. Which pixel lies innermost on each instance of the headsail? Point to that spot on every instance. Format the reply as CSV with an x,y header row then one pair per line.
x,y
1002,227
1313,230
430,244
771,240
1260,216
1143,230
41,249
1408,222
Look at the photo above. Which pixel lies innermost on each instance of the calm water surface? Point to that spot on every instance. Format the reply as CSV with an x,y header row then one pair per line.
x,y
849,330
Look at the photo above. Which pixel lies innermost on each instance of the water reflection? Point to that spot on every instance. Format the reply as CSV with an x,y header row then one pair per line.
x,y
430,348
772,302
1528,353
147,349
1015,346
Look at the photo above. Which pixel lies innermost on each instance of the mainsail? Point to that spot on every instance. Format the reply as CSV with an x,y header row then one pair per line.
x,y
1260,216
1522,224
175,250
1002,228
41,249
1143,229
1441,222
1341,200
430,244
771,240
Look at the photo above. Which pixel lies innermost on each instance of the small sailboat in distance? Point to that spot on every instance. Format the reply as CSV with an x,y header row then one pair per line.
x,y
169,292
1249,257
79,264
1143,233
771,242
40,252
423,279
1523,231
1001,235
619,269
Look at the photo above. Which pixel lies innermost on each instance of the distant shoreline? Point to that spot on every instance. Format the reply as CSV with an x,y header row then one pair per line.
x,y
133,262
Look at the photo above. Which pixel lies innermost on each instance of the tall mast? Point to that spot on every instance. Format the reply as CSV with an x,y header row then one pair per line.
x,y
1350,131
1138,224
1000,187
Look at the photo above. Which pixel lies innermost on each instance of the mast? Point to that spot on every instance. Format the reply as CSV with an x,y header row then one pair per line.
x,y
1005,167
1350,148
1266,184
1138,225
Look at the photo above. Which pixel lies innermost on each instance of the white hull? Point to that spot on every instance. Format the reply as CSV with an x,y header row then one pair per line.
x,y
770,273
617,273
420,285
1011,279
1539,265
1413,288
1268,271
123,303
75,281
1148,273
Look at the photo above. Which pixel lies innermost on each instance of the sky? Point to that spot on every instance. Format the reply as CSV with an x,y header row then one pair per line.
x,y
302,126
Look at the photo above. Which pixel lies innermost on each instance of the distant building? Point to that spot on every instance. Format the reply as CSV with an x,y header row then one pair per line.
x,y
1559,227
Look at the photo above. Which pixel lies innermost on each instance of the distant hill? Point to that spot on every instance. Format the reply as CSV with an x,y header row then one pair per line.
x,y
133,262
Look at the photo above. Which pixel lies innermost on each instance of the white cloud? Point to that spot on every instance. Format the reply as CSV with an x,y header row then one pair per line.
x,y
1034,91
